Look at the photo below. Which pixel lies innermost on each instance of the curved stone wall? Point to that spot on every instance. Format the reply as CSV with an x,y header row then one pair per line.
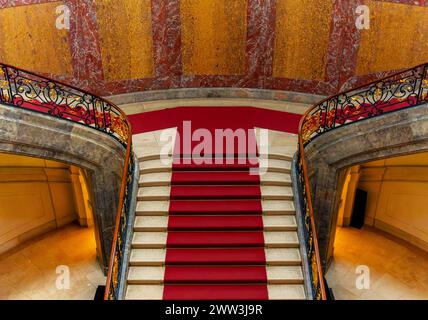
x,y
398,133
28,133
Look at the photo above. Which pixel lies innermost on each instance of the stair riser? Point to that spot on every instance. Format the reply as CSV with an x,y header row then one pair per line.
x,y
279,170
277,197
168,183
151,213
276,183
252,281
165,229
214,197
155,170
268,263
153,198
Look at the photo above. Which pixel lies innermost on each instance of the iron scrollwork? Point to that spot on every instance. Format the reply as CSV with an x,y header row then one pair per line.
x,y
406,89
309,235
27,90
116,267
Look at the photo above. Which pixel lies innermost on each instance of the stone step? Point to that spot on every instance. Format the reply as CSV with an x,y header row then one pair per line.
x,y
277,165
278,207
228,274
155,179
151,208
285,152
276,193
154,240
163,192
144,292
281,239
269,207
155,165
275,179
160,223
275,292
279,223
154,193
286,292
164,179
272,239
151,223
273,256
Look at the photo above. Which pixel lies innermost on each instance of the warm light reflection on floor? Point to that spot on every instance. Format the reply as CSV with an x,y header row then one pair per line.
x,y
30,271
397,270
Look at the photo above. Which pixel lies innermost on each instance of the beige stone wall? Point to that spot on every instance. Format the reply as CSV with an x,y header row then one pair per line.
x,y
37,196
397,196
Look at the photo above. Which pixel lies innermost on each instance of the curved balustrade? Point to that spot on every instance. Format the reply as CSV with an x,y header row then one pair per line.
x,y
27,90
402,90
24,89
406,89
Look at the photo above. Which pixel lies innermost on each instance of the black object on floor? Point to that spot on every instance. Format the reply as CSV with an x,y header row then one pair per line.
x,y
99,294
359,211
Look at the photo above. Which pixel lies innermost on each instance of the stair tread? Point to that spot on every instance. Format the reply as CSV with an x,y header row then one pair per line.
x,y
154,193
147,256
214,256
155,165
277,165
279,222
215,222
151,207
144,292
236,166
214,177
229,222
277,206
215,292
286,292
149,239
215,192
215,239
155,179
151,223
276,192
214,274
281,239
215,207
275,178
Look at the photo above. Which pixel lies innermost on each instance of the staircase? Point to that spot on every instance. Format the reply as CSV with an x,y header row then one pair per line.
x,y
208,231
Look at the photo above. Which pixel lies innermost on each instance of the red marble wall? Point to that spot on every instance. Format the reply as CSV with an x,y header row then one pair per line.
x,y
341,57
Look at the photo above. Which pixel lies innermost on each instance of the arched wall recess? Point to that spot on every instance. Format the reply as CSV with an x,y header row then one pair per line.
x,y
33,134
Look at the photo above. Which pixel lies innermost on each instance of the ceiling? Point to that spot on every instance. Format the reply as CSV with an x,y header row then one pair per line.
x,y
117,46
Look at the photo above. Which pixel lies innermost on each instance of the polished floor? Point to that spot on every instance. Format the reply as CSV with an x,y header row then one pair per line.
x,y
397,270
30,270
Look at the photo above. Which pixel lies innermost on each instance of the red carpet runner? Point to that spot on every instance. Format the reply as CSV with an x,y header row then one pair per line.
x,y
215,244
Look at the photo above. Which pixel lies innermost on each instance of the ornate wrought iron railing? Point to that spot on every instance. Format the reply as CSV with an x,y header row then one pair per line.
x,y
122,222
406,89
24,89
27,90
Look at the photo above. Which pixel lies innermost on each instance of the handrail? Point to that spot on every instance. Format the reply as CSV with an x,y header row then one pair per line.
x,y
118,244
402,90
408,88
27,90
